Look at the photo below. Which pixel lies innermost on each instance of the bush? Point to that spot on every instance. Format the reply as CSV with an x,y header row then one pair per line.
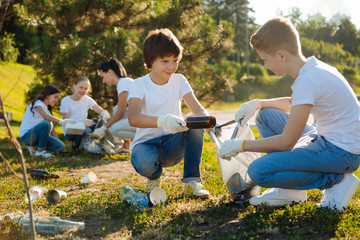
x,y
9,53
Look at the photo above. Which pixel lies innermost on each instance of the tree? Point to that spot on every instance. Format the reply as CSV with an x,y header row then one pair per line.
x,y
74,37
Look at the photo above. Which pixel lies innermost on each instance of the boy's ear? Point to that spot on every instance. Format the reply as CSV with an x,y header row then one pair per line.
x,y
282,54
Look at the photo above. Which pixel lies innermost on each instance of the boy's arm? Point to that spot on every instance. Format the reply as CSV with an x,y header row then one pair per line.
x,y
136,119
283,104
195,106
286,141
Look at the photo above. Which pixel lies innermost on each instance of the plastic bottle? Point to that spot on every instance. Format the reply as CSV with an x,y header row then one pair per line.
x,y
42,174
134,196
198,122
35,193
49,225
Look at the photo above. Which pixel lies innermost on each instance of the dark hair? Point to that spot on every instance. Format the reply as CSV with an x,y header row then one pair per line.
x,y
115,65
160,43
48,90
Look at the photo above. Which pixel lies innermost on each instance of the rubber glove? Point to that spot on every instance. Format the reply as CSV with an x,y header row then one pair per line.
x,y
88,122
63,122
247,110
99,133
171,123
231,148
105,115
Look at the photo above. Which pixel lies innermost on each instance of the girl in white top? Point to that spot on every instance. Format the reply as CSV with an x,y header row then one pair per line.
x,y
76,107
113,73
37,124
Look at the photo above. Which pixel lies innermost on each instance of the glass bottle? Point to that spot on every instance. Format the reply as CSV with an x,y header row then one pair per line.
x,y
198,122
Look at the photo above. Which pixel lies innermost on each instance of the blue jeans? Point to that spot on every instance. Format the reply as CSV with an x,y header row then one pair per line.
x,y
151,156
76,139
40,138
314,162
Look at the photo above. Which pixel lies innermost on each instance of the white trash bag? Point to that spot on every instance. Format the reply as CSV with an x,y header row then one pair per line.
x,y
234,172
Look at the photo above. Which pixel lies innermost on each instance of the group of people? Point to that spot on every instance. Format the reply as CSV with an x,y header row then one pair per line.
x,y
299,156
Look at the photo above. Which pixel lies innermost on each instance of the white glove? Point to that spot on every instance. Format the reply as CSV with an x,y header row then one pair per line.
x,y
247,110
100,132
171,123
63,122
88,122
105,115
231,148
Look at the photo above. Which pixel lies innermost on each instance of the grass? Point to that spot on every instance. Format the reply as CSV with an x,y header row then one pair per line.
x,y
106,216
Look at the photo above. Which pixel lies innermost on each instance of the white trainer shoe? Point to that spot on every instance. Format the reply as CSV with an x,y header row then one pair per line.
x,y
31,150
278,197
151,184
43,154
339,195
195,189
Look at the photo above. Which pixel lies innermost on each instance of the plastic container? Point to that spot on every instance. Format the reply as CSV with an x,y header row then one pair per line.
x,y
198,122
134,197
76,128
49,225
42,174
35,193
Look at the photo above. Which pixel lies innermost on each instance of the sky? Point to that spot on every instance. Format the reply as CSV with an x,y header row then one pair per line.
x,y
267,9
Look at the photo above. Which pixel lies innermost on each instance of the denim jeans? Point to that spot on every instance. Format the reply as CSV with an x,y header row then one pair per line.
x,y
314,162
151,156
40,138
76,139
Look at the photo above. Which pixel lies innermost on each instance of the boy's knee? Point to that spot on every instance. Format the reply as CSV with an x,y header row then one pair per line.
x,y
144,165
255,174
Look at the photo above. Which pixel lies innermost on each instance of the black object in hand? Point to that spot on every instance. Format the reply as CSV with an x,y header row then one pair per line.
x,y
197,122
42,174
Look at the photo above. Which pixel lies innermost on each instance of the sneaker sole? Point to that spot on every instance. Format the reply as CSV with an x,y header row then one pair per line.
x,y
350,192
272,202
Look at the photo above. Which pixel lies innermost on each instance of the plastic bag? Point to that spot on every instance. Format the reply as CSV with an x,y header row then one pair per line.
x,y
234,172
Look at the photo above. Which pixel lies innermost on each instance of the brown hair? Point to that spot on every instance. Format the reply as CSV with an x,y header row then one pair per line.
x,y
278,33
161,43
82,78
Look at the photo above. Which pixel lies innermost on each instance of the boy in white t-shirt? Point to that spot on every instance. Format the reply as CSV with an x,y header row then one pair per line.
x,y
162,138
301,156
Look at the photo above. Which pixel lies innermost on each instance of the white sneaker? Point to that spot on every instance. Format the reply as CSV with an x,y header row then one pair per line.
x,y
31,150
195,189
43,154
151,184
339,195
278,197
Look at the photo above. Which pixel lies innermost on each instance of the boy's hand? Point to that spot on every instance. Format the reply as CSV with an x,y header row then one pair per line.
x,y
231,148
171,123
105,115
100,132
63,122
247,110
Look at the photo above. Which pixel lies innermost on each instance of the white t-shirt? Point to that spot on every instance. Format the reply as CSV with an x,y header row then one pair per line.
x,y
30,120
335,108
77,110
158,100
124,85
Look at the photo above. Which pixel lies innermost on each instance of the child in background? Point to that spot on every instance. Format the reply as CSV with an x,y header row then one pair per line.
x,y
37,124
162,138
301,156
76,107
113,73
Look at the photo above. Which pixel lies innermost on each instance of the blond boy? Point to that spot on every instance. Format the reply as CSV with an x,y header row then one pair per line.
x,y
300,156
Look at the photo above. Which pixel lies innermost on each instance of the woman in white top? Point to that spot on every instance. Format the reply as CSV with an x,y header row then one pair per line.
x,y
37,124
113,73
76,107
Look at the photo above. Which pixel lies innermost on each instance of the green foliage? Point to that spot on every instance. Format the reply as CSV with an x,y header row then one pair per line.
x,y
8,51
73,38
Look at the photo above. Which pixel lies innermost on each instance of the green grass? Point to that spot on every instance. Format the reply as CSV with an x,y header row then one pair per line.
x,y
106,216
15,80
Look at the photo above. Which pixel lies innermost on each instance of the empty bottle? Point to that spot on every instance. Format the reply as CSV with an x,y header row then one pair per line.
x,y
42,174
35,193
198,122
134,196
49,225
